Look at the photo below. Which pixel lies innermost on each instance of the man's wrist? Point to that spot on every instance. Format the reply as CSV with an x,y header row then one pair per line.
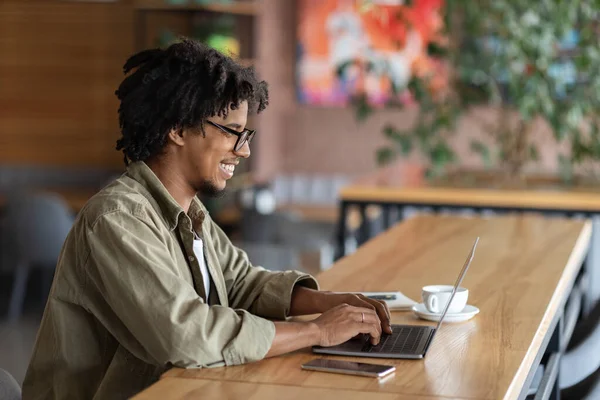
x,y
313,332
310,301
292,336
329,300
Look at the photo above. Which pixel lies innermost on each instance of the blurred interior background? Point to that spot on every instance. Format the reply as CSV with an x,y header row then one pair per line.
x,y
353,85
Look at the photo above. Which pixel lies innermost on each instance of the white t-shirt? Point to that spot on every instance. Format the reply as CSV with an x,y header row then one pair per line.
x,y
199,252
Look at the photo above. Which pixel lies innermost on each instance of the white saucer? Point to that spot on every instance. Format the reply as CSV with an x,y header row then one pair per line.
x,y
466,314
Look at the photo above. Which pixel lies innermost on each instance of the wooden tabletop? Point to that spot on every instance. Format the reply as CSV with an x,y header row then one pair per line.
x,y
305,212
180,389
315,213
521,273
392,184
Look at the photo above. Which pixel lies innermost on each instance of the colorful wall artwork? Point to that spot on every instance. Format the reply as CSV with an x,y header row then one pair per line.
x,y
370,47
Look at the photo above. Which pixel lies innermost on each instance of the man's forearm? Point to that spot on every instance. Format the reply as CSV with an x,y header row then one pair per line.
x,y
307,301
292,336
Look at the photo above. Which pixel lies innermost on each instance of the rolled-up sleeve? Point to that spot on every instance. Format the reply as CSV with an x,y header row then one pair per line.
x,y
154,312
253,288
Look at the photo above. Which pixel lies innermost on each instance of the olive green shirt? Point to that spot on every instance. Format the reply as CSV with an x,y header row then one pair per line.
x,y
128,301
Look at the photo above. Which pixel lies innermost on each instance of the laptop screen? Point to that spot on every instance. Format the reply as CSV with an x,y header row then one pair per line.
x,y
457,284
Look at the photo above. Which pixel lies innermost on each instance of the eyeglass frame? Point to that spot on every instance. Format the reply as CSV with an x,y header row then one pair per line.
x,y
249,134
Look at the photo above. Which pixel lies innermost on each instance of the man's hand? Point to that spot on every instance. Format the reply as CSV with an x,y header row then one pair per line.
x,y
309,301
334,326
344,322
359,300
343,316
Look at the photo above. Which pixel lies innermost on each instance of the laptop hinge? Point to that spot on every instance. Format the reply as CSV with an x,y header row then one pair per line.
x,y
428,339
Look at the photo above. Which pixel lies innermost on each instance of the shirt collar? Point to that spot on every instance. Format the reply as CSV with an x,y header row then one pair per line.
x,y
171,210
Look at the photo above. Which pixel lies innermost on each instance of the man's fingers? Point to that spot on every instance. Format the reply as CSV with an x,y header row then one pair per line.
x,y
362,301
372,329
370,318
366,316
375,334
384,315
367,309
387,309
382,310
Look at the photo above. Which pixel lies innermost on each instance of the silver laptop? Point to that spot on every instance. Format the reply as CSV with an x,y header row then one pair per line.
x,y
405,341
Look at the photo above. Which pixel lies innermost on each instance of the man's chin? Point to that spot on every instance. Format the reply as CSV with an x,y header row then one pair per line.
x,y
210,189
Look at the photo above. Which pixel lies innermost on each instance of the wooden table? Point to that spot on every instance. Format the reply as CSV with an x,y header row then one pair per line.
x,y
395,192
306,212
523,272
391,185
316,213
180,389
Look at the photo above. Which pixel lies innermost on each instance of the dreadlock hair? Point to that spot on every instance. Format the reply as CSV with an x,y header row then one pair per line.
x,y
177,88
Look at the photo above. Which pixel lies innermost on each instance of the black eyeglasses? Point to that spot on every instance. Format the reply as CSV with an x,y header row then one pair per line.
x,y
242,137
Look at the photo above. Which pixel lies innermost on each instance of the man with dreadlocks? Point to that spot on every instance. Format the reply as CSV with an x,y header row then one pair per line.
x,y
146,280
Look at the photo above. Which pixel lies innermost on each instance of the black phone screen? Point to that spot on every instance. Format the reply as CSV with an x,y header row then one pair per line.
x,y
349,366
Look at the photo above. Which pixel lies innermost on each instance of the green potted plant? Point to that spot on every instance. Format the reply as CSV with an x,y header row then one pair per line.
x,y
524,62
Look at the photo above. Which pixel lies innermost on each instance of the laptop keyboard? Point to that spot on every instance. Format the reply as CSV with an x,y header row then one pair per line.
x,y
403,339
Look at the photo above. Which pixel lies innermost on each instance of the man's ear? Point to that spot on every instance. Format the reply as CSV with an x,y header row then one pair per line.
x,y
176,136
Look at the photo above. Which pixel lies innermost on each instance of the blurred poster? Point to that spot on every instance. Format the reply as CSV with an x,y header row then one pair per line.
x,y
347,47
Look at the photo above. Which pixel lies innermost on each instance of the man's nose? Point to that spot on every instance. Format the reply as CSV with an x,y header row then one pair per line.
x,y
244,151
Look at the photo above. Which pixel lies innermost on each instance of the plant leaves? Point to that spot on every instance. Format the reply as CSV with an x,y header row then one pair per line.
x,y
435,50
385,155
390,132
362,107
403,141
538,62
534,155
441,154
418,89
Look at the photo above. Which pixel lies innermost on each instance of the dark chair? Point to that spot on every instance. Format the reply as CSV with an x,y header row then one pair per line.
x,y
580,364
9,388
34,229
594,392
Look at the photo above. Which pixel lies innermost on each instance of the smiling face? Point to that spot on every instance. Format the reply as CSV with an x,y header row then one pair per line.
x,y
208,161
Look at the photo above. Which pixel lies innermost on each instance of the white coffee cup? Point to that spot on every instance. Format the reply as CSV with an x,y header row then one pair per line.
x,y
435,298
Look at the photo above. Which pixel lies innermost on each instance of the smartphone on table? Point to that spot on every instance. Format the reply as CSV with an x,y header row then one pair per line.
x,y
349,367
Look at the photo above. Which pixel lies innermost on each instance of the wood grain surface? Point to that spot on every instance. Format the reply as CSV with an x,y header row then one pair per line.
x,y
522,271
180,389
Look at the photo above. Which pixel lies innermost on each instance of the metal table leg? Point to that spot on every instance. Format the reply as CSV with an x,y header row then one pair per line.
x,y
342,231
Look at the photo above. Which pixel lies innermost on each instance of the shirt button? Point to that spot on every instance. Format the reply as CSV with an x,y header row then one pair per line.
x,y
191,258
